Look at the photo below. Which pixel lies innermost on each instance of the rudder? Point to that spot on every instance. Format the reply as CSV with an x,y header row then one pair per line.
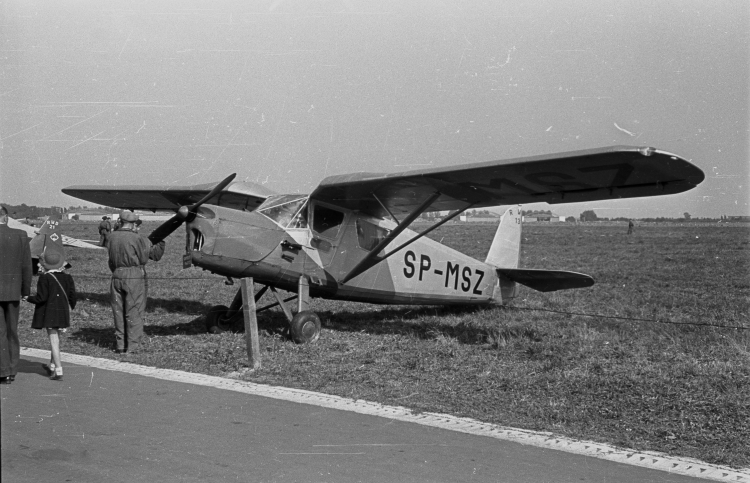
x,y
505,250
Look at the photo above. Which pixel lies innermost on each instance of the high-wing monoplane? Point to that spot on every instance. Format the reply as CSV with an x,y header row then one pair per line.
x,y
350,238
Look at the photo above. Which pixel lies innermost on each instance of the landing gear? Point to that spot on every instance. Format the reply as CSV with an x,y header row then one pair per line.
x,y
213,319
304,327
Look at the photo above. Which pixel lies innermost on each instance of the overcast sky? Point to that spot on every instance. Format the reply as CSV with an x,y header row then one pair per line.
x,y
287,92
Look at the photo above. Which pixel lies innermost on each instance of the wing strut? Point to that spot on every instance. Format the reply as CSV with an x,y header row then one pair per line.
x,y
420,235
385,208
372,258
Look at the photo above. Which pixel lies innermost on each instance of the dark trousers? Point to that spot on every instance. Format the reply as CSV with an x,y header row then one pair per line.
x,y
10,349
128,298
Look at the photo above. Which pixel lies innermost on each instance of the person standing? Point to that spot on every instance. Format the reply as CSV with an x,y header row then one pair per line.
x,y
105,228
129,252
15,283
630,227
55,296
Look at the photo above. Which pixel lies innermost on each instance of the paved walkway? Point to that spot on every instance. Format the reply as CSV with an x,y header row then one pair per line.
x,y
111,421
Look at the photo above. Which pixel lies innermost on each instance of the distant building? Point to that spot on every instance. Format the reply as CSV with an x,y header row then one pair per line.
x,y
479,219
738,218
542,217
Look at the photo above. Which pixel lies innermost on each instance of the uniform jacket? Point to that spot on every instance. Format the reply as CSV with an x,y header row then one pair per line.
x,y
105,227
52,300
130,249
15,264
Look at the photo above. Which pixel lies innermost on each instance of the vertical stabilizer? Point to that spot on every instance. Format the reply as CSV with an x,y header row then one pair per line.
x,y
47,237
506,247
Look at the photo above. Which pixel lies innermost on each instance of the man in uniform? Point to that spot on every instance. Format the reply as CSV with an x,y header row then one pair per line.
x,y
15,283
129,252
105,228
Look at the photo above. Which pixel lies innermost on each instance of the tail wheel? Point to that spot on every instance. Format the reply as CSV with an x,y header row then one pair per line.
x,y
213,318
305,327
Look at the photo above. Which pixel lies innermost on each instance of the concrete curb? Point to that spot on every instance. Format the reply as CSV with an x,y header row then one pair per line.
x,y
653,460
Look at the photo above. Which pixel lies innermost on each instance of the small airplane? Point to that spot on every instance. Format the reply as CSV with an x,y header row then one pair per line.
x,y
350,238
47,237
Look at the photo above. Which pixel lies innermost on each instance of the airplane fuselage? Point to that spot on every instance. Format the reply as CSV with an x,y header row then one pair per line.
x,y
323,243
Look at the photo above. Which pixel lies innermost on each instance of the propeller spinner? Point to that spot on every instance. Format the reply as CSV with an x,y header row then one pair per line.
x,y
186,213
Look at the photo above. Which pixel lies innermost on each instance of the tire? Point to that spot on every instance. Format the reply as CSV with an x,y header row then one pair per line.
x,y
305,327
213,318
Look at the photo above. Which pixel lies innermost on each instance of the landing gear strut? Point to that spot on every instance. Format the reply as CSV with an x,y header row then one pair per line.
x,y
304,326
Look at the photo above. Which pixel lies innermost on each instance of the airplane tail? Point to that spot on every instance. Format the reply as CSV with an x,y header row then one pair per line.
x,y
505,250
47,239
504,255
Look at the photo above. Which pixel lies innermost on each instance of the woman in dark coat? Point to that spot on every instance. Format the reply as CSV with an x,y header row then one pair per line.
x,y
55,296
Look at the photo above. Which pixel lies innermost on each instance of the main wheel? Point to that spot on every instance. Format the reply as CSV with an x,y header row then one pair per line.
x,y
305,327
213,319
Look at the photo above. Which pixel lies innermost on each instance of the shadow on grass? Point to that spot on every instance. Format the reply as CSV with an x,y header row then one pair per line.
x,y
422,322
105,336
427,323
153,304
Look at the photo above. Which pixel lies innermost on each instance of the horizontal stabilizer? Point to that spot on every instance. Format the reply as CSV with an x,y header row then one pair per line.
x,y
547,280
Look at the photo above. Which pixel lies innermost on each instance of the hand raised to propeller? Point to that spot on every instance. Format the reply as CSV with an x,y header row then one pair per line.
x,y
186,213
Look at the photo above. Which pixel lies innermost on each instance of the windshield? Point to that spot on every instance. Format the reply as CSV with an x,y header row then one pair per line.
x,y
283,208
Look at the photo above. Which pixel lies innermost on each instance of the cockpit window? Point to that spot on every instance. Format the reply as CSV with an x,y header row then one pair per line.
x,y
300,219
286,210
327,221
369,234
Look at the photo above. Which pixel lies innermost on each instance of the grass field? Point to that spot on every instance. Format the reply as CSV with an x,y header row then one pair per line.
x,y
654,365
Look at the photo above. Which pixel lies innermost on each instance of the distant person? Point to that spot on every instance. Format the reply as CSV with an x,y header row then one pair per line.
x,y
55,296
631,225
129,252
15,283
105,228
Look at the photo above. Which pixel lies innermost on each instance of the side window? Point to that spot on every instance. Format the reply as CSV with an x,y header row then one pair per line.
x,y
369,234
286,210
327,221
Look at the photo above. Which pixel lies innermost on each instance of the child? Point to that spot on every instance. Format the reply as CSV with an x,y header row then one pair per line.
x,y
55,296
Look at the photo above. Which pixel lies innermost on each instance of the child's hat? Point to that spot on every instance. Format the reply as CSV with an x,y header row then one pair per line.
x,y
51,260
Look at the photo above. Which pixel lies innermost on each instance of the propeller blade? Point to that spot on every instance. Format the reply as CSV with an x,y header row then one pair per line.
x,y
185,213
165,229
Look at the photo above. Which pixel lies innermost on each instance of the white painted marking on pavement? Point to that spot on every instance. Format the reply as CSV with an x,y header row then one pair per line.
x,y
647,459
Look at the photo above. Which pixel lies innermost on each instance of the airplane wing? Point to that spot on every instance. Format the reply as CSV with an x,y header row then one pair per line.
x,y
75,242
589,175
239,195
31,232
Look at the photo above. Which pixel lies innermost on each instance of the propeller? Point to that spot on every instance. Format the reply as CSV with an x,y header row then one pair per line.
x,y
186,213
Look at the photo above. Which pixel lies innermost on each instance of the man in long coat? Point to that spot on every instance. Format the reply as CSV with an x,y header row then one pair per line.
x,y
15,283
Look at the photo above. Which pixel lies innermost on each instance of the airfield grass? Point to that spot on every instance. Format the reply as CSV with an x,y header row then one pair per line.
x,y
656,383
